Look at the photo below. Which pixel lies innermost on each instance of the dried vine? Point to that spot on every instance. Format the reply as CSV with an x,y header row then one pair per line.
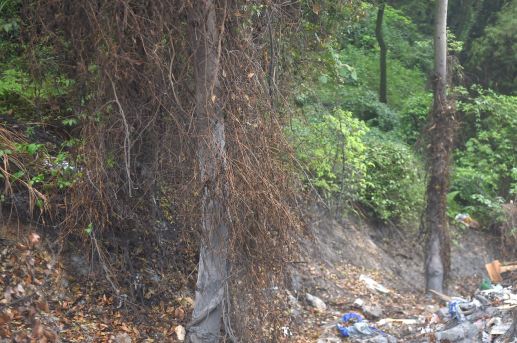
x,y
133,62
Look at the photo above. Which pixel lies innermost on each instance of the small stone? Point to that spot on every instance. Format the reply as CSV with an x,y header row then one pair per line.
x,y
443,313
463,331
358,303
373,311
492,311
391,339
123,338
292,300
380,339
329,340
316,302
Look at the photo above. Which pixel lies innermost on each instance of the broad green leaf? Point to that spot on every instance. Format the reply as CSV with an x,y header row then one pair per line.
x,y
17,175
322,79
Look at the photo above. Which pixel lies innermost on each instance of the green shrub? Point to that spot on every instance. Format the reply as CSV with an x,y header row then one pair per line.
x,y
485,172
413,116
395,189
323,141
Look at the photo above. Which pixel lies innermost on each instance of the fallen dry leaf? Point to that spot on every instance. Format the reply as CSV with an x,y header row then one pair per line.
x,y
34,238
37,331
21,247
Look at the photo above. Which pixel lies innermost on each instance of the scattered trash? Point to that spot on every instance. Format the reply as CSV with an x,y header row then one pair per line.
x,y
455,311
443,296
486,284
180,332
316,302
374,285
286,331
356,330
391,320
359,329
500,329
480,317
358,303
495,269
328,339
467,221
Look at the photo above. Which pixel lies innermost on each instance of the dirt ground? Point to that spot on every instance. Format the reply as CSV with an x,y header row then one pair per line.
x,y
398,257
344,250
332,263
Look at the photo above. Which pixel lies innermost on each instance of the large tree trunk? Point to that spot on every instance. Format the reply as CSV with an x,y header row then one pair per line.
x,y
441,139
378,34
206,319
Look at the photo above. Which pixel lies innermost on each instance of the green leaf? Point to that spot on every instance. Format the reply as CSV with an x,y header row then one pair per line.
x,y
343,71
32,148
353,75
450,196
88,229
17,175
322,79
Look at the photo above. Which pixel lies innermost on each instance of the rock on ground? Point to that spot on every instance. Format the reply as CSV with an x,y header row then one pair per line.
x,y
316,302
464,332
123,338
373,310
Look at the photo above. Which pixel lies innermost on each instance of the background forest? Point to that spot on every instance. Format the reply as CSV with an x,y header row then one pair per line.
x,y
68,163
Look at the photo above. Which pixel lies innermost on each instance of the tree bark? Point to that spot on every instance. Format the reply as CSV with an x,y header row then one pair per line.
x,y
466,7
440,51
205,325
380,39
441,139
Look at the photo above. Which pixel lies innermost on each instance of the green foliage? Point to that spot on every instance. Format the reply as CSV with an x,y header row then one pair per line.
x,y
379,172
358,56
413,116
420,12
88,229
402,40
384,175
485,172
9,20
324,141
492,56
395,189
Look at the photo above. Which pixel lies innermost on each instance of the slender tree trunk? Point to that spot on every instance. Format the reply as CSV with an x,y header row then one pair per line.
x,y
382,45
441,139
466,6
343,170
205,324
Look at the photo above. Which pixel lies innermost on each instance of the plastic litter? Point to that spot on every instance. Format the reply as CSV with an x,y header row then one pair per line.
x,y
358,303
359,329
467,221
373,285
486,284
402,321
500,329
356,330
455,310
